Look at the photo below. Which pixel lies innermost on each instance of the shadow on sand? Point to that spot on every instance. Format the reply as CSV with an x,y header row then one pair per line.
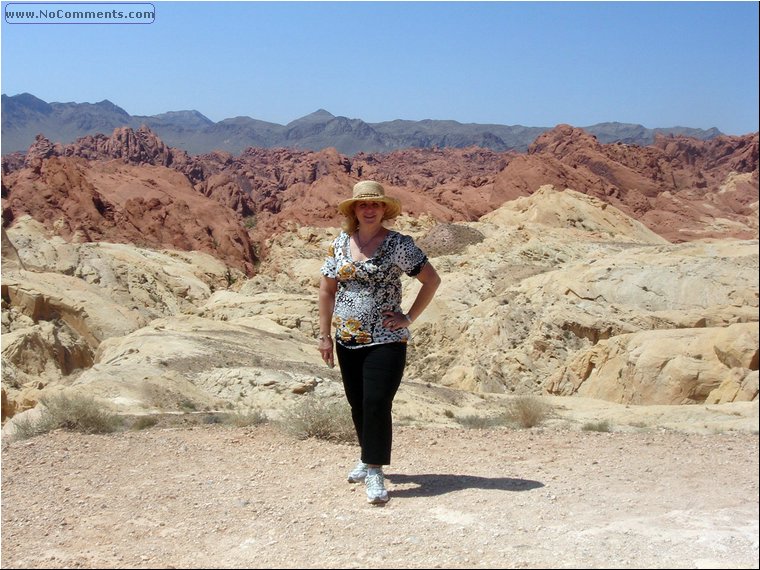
x,y
429,485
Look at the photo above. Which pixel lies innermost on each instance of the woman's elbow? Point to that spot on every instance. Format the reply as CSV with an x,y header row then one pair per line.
x,y
431,278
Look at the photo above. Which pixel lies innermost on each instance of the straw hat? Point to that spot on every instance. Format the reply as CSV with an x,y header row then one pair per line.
x,y
371,191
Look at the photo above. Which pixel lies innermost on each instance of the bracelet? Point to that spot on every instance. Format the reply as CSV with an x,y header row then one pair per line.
x,y
408,318
323,337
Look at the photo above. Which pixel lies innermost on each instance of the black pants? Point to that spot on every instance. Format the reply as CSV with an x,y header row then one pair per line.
x,y
371,377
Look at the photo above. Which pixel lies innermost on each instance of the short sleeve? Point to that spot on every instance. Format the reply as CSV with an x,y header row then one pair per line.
x,y
330,265
410,258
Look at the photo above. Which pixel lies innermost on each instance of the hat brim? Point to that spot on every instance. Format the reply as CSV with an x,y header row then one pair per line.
x,y
392,205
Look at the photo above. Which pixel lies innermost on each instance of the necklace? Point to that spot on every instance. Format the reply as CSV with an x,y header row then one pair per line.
x,y
369,241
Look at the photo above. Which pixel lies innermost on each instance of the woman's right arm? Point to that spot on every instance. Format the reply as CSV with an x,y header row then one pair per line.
x,y
327,290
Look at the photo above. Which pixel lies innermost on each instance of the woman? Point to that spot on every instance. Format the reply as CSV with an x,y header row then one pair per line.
x,y
360,293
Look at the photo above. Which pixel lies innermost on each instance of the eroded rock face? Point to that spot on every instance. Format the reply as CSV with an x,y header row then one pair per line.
x,y
448,239
61,301
129,274
560,293
139,146
681,188
556,277
111,201
670,366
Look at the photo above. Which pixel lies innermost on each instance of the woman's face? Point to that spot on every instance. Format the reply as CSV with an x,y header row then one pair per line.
x,y
369,212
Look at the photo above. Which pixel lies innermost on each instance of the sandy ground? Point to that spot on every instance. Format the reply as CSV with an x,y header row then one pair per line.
x,y
555,496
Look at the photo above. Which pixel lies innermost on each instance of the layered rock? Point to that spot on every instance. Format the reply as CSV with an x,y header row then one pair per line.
x,y
124,275
680,188
671,366
153,206
139,146
61,301
552,280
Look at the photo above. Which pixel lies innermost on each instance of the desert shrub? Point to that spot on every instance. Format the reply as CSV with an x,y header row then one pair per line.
x,y
78,413
73,413
25,428
474,421
165,399
212,419
252,417
186,404
238,419
603,426
144,422
527,411
320,419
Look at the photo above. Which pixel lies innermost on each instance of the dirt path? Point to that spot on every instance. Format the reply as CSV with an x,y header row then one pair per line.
x,y
215,496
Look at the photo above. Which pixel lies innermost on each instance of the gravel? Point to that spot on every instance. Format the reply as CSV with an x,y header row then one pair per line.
x,y
228,497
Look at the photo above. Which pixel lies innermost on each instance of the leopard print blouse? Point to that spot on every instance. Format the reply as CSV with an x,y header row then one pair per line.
x,y
368,288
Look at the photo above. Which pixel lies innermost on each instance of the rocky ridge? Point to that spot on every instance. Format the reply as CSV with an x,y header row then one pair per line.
x,y
679,187
547,290
25,115
556,298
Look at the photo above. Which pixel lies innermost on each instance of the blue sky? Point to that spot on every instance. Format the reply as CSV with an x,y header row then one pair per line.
x,y
659,64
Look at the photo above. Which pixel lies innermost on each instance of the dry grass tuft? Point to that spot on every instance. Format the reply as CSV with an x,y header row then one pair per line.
x,y
527,411
73,413
602,426
320,419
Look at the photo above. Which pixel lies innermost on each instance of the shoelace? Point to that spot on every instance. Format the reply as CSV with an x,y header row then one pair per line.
x,y
375,482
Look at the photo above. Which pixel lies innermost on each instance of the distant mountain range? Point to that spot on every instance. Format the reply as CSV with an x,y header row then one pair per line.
x,y
24,116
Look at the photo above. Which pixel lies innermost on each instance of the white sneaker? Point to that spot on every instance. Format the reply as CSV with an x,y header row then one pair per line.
x,y
375,482
359,473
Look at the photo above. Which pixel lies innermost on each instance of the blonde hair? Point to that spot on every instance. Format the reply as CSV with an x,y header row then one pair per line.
x,y
351,223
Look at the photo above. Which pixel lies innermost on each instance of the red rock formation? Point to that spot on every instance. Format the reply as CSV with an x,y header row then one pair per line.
x,y
681,188
137,147
149,206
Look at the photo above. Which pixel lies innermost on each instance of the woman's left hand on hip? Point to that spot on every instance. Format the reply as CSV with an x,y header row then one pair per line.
x,y
395,320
